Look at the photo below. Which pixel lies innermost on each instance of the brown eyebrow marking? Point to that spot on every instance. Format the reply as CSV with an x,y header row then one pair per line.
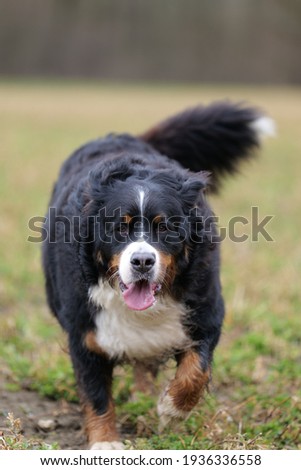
x,y
159,218
127,218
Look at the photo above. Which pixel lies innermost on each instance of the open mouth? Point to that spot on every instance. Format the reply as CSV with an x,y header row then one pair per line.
x,y
139,295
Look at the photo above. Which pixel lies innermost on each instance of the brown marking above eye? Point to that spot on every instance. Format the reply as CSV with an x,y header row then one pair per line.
x,y
127,219
159,218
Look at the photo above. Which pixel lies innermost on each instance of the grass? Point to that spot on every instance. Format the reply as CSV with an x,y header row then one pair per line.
x,y
255,400
13,438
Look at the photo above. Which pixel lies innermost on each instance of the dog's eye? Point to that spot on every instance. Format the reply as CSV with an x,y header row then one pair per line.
x,y
123,229
162,227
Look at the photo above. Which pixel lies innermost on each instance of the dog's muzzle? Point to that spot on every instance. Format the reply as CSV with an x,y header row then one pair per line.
x,y
139,270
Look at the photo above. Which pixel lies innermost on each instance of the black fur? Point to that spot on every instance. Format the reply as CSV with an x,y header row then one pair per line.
x,y
213,138
102,174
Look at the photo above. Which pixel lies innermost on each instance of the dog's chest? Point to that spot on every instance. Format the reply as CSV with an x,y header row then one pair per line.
x,y
124,333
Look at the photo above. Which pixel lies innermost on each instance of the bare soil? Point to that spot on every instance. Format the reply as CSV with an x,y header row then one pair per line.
x,y
64,419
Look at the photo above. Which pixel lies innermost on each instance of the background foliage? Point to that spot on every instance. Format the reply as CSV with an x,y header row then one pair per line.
x,y
250,41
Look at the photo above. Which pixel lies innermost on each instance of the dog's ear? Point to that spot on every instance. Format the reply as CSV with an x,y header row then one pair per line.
x,y
101,178
193,187
111,173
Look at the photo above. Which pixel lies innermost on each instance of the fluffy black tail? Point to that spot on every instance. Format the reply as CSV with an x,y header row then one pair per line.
x,y
213,138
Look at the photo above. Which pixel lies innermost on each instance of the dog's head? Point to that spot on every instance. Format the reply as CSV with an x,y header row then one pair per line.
x,y
144,225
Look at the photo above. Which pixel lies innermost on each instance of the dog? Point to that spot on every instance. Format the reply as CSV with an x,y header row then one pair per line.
x,y
131,260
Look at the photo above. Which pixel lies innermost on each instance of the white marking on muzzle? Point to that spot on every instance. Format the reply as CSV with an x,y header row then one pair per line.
x,y
125,267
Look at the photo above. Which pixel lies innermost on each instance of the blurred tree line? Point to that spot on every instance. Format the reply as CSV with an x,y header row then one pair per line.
x,y
181,40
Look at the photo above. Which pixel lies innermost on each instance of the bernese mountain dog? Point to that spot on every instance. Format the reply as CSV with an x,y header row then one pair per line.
x,y
132,257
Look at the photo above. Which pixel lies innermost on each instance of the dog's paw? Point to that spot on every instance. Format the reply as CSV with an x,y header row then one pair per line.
x,y
168,413
105,445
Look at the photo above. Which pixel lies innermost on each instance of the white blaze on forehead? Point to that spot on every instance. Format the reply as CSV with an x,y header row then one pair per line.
x,y
141,200
141,193
125,267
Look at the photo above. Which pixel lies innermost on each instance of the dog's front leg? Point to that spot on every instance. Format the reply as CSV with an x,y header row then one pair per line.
x,y
94,372
100,426
185,390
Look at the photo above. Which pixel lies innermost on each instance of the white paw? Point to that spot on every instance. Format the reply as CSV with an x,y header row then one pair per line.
x,y
105,445
168,412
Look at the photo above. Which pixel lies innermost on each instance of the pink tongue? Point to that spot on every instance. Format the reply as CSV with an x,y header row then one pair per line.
x,y
139,296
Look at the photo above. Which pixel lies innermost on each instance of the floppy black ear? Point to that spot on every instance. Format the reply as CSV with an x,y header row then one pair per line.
x,y
193,187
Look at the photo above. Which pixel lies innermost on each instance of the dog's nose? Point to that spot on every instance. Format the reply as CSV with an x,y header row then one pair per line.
x,y
143,262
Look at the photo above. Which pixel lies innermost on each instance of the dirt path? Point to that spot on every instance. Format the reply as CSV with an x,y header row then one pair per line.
x,y
43,419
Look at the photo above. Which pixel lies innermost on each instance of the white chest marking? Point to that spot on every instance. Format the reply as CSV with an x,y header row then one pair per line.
x,y
125,333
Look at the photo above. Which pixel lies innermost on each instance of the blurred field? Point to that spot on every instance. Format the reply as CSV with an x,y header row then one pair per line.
x,y
255,399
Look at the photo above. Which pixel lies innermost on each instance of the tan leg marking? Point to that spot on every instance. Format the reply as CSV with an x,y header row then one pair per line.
x,y
185,390
91,344
189,383
101,429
